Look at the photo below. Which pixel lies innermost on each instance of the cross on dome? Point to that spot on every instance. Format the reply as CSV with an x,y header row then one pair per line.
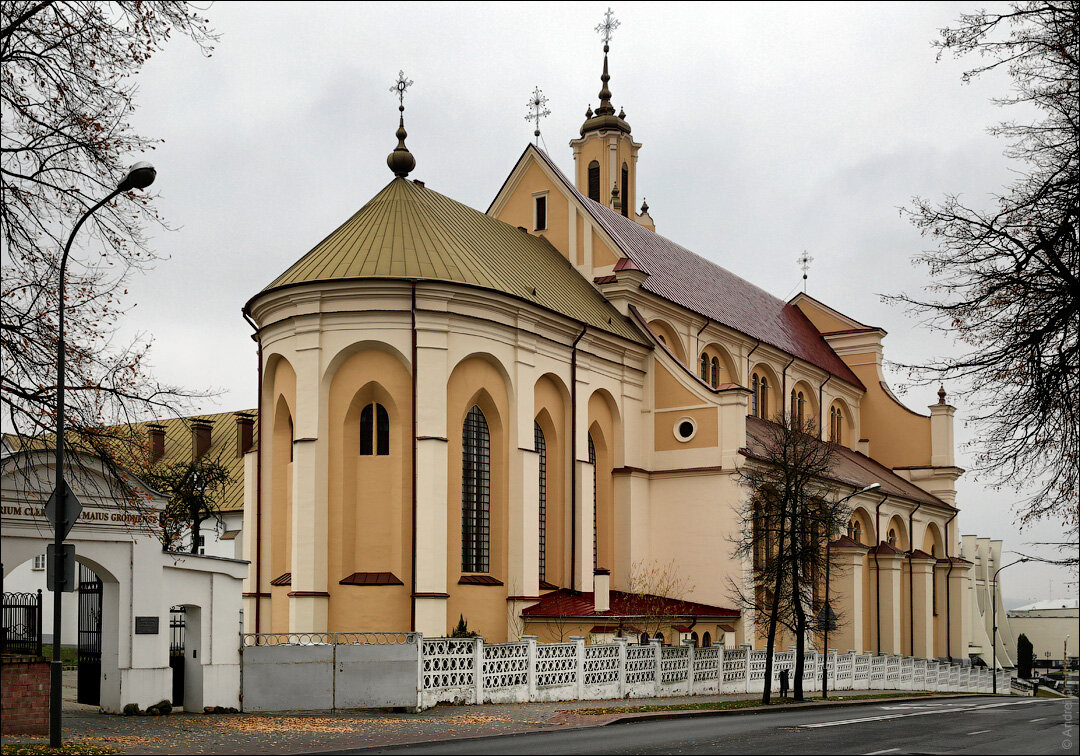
x,y
401,161
538,109
399,88
607,27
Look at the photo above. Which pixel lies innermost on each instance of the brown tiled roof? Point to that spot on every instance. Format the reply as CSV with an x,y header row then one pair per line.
x,y
565,603
885,548
689,280
284,578
479,580
920,554
846,542
849,467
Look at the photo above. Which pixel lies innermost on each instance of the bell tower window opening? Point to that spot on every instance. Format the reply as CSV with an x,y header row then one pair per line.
x,y
475,492
625,190
540,444
594,181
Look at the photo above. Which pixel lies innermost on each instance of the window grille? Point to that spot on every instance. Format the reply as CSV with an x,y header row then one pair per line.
x,y
475,492
754,396
704,366
763,402
374,430
715,372
540,444
592,461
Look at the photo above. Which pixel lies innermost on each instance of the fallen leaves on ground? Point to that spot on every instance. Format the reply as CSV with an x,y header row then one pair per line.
x,y
341,724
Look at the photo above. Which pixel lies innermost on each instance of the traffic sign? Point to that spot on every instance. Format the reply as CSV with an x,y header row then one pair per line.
x,y
72,510
69,567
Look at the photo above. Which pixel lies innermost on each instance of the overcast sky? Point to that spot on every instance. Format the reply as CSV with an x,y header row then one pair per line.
x,y
767,130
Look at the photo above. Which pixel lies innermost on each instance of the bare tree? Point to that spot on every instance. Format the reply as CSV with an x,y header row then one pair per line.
x,y
1006,276
192,489
786,518
67,94
655,588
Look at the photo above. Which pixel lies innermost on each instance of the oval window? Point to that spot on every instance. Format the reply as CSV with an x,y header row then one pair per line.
x,y
685,429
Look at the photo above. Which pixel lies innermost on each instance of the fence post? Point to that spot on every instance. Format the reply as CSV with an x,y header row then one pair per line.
x,y
622,642
530,665
419,638
478,669
658,672
746,649
720,669
579,657
689,666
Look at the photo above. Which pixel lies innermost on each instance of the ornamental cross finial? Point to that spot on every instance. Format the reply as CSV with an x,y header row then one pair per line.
x,y
399,88
538,109
804,262
607,27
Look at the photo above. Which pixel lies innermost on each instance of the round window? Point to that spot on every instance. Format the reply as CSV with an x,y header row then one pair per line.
x,y
685,429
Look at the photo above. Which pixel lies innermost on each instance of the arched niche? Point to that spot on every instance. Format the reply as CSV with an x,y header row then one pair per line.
x,y
717,364
802,404
604,429
279,403
839,423
369,481
765,401
671,339
933,543
477,382
551,402
896,534
861,527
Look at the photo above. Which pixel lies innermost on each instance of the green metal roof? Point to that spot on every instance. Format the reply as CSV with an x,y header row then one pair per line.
x,y
408,231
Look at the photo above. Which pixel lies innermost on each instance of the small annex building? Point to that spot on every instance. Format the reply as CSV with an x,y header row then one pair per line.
x,y
470,414
124,621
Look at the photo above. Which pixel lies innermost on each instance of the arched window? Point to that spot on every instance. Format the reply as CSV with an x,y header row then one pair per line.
x,y
374,430
704,366
694,638
763,402
625,190
592,461
644,639
892,536
715,379
798,402
540,444
659,637
854,530
706,640
594,181
475,492
754,396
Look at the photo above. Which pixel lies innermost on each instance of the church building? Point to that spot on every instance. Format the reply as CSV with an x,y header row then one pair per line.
x,y
500,416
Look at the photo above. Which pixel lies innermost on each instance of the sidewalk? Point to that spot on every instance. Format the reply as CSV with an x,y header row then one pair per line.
x,y
292,732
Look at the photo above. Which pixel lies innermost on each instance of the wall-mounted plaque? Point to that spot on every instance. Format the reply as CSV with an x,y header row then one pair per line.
x,y
146,625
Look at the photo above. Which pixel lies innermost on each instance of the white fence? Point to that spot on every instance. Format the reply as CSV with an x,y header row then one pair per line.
x,y
469,671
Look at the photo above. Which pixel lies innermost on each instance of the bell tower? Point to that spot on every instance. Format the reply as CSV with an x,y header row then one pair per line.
x,y
605,156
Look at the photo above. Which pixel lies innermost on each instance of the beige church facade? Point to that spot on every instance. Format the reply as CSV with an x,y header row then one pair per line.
x,y
502,415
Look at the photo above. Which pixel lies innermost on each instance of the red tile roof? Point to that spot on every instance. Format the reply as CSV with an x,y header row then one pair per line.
x,y
371,578
564,603
682,277
849,467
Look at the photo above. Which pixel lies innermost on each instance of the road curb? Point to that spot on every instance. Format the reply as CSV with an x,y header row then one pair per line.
x,y
647,716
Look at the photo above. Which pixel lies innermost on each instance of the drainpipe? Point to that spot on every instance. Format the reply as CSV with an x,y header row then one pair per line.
x,y
877,572
948,592
911,579
821,408
697,341
412,570
258,477
573,455
757,343
783,385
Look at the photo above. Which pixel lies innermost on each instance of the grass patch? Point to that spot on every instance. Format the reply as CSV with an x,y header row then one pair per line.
x,y
70,747
742,703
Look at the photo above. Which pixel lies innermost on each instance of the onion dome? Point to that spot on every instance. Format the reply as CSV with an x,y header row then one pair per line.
x,y
401,161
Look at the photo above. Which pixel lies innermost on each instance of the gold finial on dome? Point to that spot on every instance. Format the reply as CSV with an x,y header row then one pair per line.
x,y
401,161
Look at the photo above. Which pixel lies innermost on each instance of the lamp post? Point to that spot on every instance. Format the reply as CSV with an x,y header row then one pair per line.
x,y
828,608
140,176
993,623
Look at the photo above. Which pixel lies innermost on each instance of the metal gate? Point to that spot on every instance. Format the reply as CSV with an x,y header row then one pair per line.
x,y
177,629
21,624
89,688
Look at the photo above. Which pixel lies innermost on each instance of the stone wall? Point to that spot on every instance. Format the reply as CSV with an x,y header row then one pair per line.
x,y
24,691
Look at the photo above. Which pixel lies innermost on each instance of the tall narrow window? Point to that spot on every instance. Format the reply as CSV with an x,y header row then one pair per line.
x,y
541,213
799,407
704,366
715,379
625,190
794,406
754,396
763,403
374,430
594,181
540,444
592,461
475,492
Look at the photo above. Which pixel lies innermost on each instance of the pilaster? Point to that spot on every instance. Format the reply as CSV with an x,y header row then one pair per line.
x,y
888,599
922,598
846,589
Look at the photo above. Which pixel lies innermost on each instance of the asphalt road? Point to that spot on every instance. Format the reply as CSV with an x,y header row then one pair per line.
x,y
970,725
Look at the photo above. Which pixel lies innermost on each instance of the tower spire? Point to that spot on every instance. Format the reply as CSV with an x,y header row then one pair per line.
x,y
401,161
604,117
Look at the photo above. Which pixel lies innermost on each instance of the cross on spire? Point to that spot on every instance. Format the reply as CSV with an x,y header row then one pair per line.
x,y
399,88
804,262
538,109
607,27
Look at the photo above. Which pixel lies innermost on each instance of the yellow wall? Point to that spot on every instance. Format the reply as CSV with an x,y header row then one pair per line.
x,y
898,436
552,413
707,435
518,209
603,429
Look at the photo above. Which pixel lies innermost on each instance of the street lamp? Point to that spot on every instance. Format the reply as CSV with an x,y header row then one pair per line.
x,y
993,623
140,176
827,610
